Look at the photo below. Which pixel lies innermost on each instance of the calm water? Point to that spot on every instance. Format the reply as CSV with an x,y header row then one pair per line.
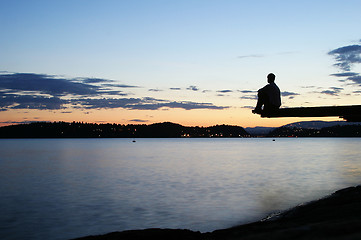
x,y
66,188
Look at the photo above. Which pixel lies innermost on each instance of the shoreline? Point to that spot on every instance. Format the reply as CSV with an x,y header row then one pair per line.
x,y
336,216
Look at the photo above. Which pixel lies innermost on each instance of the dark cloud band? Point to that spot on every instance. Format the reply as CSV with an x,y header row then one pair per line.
x,y
56,86
46,92
347,56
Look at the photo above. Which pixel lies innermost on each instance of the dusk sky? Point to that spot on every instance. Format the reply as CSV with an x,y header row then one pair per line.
x,y
196,63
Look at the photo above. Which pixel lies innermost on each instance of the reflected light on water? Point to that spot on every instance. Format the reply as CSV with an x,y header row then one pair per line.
x,y
75,187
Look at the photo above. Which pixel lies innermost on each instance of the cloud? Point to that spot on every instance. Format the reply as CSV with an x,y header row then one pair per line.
x,y
334,91
92,80
193,88
356,79
254,96
44,84
118,85
330,92
155,104
249,97
188,105
346,56
56,86
247,91
263,55
43,103
249,107
31,102
338,89
289,94
155,90
308,87
249,94
138,120
350,76
344,74
47,92
225,91
251,56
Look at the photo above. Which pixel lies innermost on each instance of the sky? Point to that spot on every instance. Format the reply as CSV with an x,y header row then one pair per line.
x,y
196,63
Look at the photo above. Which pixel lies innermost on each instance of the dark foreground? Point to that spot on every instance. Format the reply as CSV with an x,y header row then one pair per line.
x,y
349,113
337,216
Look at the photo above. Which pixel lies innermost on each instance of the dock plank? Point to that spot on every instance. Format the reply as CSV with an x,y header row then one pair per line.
x,y
351,113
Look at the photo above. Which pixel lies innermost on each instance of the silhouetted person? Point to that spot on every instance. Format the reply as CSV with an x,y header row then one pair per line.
x,y
269,96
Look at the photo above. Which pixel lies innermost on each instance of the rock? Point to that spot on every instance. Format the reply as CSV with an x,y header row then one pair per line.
x,y
337,216
153,233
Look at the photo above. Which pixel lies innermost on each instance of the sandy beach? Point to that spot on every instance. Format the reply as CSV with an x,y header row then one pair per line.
x,y
337,216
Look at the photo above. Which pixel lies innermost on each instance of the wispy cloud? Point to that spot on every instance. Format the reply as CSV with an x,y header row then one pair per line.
x,y
225,91
46,92
249,97
247,91
251,56
265,55
333,91
138,120
289,94
344,74
56,86
193,88
330,92
141,104
12,101
249,107
155,90
346,56
249,94
356,79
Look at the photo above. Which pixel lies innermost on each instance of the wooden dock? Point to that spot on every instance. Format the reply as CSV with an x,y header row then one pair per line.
x,y
351,113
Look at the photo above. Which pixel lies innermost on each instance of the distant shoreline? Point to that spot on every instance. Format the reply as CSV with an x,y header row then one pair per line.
x,y
336,216
173,130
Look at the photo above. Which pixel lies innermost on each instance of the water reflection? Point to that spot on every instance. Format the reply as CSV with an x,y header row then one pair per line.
x,y
75,187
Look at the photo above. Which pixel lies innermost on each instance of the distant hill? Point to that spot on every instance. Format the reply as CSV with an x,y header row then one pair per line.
x,y
264,131
318,129
318,124
259,131
93,130
334,131
173,130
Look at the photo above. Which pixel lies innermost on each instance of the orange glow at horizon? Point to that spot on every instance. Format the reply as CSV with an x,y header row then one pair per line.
x,y
203,118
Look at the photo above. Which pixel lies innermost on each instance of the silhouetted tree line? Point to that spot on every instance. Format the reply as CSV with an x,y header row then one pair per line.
x,y
93,130
335,131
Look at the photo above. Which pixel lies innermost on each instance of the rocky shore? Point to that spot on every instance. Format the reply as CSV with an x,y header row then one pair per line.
x,y
337,216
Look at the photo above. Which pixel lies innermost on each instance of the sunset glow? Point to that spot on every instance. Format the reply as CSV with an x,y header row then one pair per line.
x,y
193,63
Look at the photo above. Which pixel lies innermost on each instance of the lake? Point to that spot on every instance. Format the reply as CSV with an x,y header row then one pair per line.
x,y
67,188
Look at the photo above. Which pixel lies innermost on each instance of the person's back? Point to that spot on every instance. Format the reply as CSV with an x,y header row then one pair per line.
x,y
274,94
269,96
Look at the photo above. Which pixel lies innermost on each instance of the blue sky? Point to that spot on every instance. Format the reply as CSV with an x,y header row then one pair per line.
x,y
191,62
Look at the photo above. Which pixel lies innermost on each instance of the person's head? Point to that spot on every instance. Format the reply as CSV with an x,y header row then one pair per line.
x,y
271,78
